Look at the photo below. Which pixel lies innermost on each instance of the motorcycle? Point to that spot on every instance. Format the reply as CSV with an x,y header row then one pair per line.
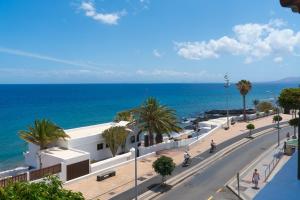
x,y
186,162
213,148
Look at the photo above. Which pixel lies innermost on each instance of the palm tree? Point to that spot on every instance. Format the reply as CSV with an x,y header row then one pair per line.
x,y
153,118
255,103
42,133
244,87
115,137
124,116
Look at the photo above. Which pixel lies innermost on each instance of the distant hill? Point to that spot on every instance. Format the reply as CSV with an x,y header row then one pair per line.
x,y
288,80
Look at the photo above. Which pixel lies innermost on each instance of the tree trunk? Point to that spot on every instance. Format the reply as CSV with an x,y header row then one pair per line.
x,y
295,112
158,138
151,138
244,107
40,159
163,180
138,136
146,140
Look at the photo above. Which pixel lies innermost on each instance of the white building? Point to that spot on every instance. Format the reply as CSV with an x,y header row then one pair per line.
x,y
84,146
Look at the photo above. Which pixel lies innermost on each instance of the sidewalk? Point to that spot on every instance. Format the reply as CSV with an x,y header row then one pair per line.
x,y
124,178
267,165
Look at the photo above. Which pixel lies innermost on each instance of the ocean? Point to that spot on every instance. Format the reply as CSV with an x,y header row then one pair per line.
x,y
77,105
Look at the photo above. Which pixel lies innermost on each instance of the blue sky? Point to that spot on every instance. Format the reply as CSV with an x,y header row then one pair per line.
x,y
99,41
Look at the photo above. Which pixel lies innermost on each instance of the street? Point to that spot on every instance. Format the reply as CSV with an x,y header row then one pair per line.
x,y
205,184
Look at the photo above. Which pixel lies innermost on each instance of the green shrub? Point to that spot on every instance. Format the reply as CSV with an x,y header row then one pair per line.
x,y
250,127
277,118
164,166
49,189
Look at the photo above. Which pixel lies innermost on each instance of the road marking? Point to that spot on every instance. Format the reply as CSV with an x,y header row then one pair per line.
x,y
210,198
219,190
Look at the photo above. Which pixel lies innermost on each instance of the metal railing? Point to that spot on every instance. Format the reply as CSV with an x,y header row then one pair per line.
x,y
271,166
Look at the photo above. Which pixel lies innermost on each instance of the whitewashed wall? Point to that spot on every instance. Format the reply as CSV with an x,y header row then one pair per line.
x,y
170,144
111,161
31,156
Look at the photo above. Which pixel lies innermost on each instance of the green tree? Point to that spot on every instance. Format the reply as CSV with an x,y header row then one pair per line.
x,y
250,127
255,103
289,99
42,133
152,117
277,118
49,189
124,116
244,87
264,106
115,137
164,166
294,122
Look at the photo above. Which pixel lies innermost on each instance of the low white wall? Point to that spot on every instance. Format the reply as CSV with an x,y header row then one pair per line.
x,y
111,167
111,161
203,136
170,144
177,144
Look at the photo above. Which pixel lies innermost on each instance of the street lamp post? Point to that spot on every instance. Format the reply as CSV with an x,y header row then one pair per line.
x,y
226,85
277,113
135,167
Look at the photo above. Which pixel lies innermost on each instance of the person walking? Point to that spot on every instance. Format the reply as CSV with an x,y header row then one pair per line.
x,y
255,179
288,135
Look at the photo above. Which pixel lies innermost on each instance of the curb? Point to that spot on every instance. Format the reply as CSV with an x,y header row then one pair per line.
x,y
218,155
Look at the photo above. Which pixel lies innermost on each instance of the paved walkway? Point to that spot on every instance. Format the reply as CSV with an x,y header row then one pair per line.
x,y
124,179
267,165
284,185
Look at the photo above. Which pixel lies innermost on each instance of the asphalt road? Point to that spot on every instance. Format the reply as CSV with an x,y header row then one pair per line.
x,y
205,183
148,184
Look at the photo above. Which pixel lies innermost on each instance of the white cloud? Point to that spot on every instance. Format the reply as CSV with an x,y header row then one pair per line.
x,y
42,57
156,53
182,76
106,18
278,59
253,41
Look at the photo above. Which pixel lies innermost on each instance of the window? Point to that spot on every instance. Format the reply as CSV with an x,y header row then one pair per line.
x,y
107,145
100,146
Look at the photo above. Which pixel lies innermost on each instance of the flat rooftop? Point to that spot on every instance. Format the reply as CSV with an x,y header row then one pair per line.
x,y
86,131
64,154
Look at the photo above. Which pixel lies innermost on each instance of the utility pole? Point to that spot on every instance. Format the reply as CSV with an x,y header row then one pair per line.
x,y
135,167
277,113
226,85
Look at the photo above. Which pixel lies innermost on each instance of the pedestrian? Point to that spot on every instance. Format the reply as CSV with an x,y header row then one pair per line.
x,y
255,179
288,135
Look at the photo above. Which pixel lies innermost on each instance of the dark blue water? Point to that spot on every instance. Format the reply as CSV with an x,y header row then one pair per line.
x,y
78,105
